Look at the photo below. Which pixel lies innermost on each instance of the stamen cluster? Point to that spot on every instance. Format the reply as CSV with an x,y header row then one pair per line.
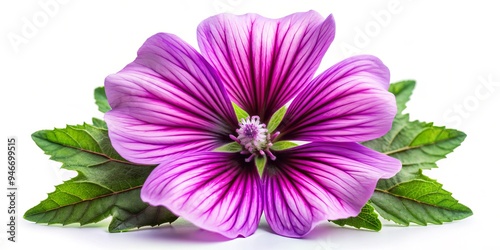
x,y
254,138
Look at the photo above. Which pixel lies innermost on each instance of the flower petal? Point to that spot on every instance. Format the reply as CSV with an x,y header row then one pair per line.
x,y
321,181
167,101
219,192
265,62
348,102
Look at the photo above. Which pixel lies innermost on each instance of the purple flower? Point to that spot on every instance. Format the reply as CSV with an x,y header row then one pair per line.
x,y
172,106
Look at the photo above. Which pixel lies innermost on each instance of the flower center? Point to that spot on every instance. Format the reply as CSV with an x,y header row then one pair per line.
x,y
254,138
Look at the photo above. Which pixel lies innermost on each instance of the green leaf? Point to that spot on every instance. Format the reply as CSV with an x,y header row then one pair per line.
x,y
232,147
260,163
283,145
276,118
99,123
421,201
402,90
367,219
106,184
417,145
101,100
410,196
240,113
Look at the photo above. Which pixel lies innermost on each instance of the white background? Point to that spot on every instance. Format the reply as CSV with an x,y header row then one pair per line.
x,y
451,48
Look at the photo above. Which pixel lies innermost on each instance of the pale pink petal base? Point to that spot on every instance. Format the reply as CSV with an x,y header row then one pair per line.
x,y
218,192
321,181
